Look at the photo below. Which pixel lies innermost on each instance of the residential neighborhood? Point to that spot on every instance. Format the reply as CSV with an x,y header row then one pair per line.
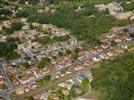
x,y
47,53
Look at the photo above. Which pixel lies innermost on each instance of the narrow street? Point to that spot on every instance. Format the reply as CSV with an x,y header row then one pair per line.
x,y
4,94
68,76
9,84
53,83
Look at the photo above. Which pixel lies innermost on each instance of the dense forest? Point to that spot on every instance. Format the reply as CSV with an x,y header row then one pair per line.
x,y
86,24
79,16
7,48
114,79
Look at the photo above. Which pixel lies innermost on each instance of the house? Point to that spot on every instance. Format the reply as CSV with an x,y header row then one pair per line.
x,y
26,89
26,27
47,26
110,36
60,32
26,77
99,49
114,8
80,98
56,76
65,91
56,31
82,53
110,53
78,67
2,81
93,51
35,24
119,50
36,45
96,59
104,46
102,56
16,62
15,82
132,17
53,97
20,90
6,23
44,96
118,30
32,85
1,25
43,71
66,85
87,62
36,73
23,19
125,15
117,40
101,7
131,30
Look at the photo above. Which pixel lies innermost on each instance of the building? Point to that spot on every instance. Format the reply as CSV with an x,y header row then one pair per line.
x,y
131,30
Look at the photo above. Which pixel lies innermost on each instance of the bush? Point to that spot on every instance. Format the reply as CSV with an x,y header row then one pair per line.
x,y
114,79
45,40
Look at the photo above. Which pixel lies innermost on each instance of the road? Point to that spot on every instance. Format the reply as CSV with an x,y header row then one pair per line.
x,y
66,77
9,84
4,94
57,70
73,42
75,63
78,62
52,83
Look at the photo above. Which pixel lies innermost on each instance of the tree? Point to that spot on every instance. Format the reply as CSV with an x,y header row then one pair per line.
x,y
30,98
68,52
47,78
40,29
40,82
113,80
45,40
25,65
128,7
12,55
85,82
60,53
44,80
7,48
44,61
77,50
41,64
24,12
16,25
39,18
75,56
72,93
61,38
5,11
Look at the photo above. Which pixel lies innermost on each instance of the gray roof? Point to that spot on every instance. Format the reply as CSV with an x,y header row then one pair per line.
x,y
131,29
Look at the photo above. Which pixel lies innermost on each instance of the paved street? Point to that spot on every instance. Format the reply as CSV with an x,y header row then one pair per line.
x,y
56,71
9,84
26,42
4,94
53,83
66,77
